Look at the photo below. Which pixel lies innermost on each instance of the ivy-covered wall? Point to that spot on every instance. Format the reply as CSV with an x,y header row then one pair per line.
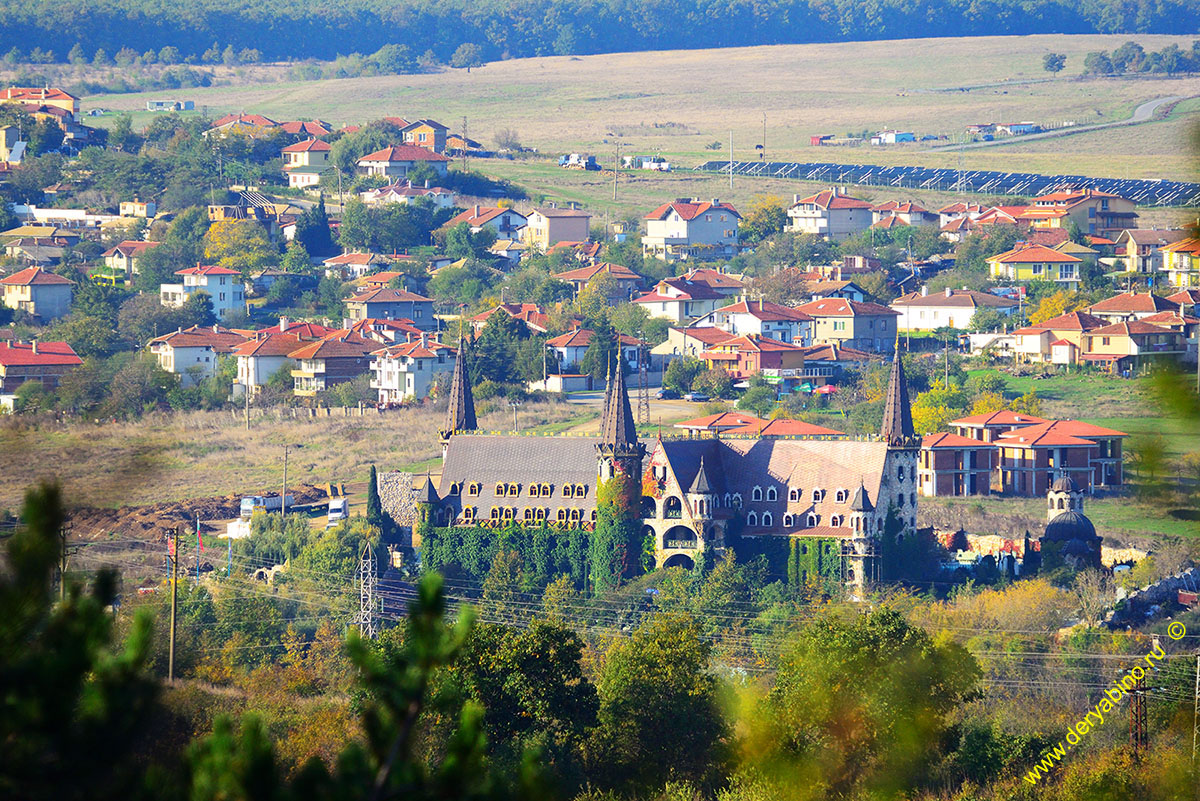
x,y
546,552
798,560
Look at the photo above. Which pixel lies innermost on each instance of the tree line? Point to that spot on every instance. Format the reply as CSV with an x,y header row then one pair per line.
x,y
300,29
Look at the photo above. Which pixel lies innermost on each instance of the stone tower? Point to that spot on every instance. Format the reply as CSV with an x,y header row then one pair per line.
x,y
460,414
1064,496
619,448
899,487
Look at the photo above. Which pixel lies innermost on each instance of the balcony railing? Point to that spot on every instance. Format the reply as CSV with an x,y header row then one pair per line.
x,y
689,545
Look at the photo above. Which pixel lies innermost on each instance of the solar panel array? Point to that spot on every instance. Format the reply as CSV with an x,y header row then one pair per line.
x,y
1144,192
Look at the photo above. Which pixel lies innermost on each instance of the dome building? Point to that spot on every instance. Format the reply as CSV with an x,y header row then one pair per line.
x,y
1070,537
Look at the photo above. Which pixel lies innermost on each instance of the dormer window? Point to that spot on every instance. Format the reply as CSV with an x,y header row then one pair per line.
x,y
794,494
501,489
495,513
767,519
455,489
756,494
812,520
474,488
836,521
818,495
788,521
772,494
842,496
468,514
514,490
752,520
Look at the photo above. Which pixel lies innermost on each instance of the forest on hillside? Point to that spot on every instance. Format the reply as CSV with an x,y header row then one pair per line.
x,y
304,29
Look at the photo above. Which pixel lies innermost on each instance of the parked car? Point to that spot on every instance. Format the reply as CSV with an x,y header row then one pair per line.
x,y
696,397
667,394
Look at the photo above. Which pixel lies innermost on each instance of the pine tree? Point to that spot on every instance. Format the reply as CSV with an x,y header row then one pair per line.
x,y
374,506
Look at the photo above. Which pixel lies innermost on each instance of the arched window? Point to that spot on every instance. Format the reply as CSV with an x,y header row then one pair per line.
x,y
752,519
1060,503
912,498
580,490
528,515
841,496
803,549
547,490
673,509
500,489
788,521
535,491
568,491
542,514
767,519
900,500
794,494
576,515
812,520
772,494
455,489
737,500
514,490
900,472
836,521
593,515
649,508
818,495
495,513
468,514
728,499
474,488
562,515
756,494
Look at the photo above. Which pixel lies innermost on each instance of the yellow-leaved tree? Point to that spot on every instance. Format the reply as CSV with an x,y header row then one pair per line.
x,y
1051,306
241,245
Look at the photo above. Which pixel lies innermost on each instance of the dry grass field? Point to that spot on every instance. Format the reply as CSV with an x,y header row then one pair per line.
x,y
174,457
676,102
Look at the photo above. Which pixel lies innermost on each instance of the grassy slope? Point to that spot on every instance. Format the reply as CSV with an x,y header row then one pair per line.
x,y
570,103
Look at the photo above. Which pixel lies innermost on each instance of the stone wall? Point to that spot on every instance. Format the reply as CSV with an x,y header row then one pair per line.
x,y
397,494
1138,603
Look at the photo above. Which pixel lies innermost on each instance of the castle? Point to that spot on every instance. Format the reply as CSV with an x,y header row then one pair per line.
x,y
832,496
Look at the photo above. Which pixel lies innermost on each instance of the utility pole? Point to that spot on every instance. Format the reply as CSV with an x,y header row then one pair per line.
x,y
643,416
173,555
731,160
246,391
1196,712
64,551
616,168
1137,720
466,147
367,579
515,405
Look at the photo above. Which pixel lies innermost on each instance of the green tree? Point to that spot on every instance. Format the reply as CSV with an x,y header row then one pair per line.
x,y
759,398
1054,62
76,55
714,382
602,356
681,372
72,702
374,504
765,217
615,543
240,245
467,55
312,230
658,681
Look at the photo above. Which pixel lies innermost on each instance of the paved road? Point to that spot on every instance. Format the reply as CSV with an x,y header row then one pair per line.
x,y
1143,113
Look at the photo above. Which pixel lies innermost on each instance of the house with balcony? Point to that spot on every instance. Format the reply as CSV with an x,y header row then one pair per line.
x,y
305,162
1124,348
1181,262
1092,211
572,346
263,355
692,229
546,227
950,308
44,362
1031,459
121,259
505,223
392,304
625,280
36,291
862,326
1027,262
991,426
333,359
902,212
223,286
406,370
761,318
955,466
747,355
1141,248
192,353
397,161
680,299
1058,340
830,213
1129,306
689,342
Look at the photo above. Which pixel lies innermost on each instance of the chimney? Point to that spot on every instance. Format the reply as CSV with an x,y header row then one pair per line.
x,y
476,209
839,272
716,201
924,291
283,324
795,198
216,328
949,291
33,345
424,339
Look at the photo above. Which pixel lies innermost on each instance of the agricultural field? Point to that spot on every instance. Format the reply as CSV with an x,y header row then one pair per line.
x,y
678,103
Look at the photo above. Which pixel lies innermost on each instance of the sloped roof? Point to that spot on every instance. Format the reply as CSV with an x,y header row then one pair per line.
x,y
268,344
1129,328
720,421
485,215
1134,302
685,289
709,335
416,349
207,269
387,295
828,199
1030,254
257,120
344,344
713,278
584,274
582,337
129,247
1004,417
782,427
14,354
945,440
403,153
1185,297
900,207
309,127
964,298
1072,428
220,340
764,310
1071,321
690,211
308,145
355,258
34,276
841,307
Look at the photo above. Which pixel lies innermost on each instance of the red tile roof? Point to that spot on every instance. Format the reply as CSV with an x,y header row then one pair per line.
x,y
756,343
14,354
690,211
1072,428
781,427
34,276
721,421
1041,438
1029,254
582,337
965,298
309,127
354,258
828,199
268,344
713,278
585,274
38,94
1139,327
1171,319
707,334
308,146
840,307
374,324
403,153
897,207
207,269
386,295
128,248
343,344
415,349
257,120
1185,297
945,440
1071,321
764,310
1004,417
220,340
485,214
1134,302
834,352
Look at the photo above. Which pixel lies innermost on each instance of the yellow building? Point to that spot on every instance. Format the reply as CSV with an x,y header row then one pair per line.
x,y
42,96
1026,263
1181,262
1092,212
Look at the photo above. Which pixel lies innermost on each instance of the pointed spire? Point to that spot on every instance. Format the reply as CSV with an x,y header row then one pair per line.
x,y
861,501
701,485
897,416
460,415
427,493
608,391
619,435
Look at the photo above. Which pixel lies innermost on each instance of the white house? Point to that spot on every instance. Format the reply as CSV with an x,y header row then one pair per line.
x,y
572,346
505,222
830,213
679,299
192,353
762,318
43,294
261,357
692,229
404,193
407,370
398,161
223,285
951,308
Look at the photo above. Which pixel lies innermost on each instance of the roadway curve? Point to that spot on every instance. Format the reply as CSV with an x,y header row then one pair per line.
x,y
1143,113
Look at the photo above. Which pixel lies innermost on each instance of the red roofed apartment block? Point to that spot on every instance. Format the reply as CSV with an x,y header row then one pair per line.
x,y
692,229
222,285
36,291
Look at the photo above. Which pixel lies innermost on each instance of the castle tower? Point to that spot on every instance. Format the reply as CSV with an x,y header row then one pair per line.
x,y
619,448
460,414
860,512
699,496
1064,496
899,490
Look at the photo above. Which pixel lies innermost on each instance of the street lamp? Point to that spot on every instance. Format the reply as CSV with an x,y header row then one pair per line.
x,y
515,405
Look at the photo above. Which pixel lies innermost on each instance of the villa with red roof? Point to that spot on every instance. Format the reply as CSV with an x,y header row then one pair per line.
x,y
304,162
42,96
830,213
718,423
348,266
333,359
689,341
45,295
529,313
747,355
902,213
863,326
404,193
1028,262
681,299
261,356
507,223
407,369
625,280
953,308
547,227
251,125
762,318
1131,306
1181,261
191,353
223,286
44,362
1092,211
1034,343
307,128
572,346
392,304
692,229
397,161
954,465
123,257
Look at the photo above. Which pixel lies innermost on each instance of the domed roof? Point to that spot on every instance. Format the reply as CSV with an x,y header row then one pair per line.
x,y
1069,526
1064,484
